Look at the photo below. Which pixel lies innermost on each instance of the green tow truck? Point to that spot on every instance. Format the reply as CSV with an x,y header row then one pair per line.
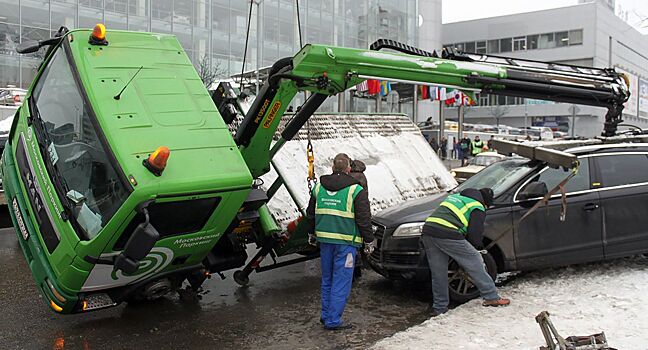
x,y
124,183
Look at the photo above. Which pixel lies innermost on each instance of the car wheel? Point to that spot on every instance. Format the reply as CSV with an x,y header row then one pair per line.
x,y
461,287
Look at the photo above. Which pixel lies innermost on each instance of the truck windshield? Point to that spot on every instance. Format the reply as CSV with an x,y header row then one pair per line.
x,y
499,176
89,181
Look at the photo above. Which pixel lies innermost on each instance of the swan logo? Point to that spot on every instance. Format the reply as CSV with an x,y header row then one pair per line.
x,y
103,276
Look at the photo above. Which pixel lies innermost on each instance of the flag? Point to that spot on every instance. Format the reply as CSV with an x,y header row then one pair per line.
x,y
373,86
437,93
385,88
362,87
423,91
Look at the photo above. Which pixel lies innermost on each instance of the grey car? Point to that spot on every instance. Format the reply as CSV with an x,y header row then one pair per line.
x,y
607,207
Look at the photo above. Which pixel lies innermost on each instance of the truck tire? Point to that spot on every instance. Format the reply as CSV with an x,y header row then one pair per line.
x,y
460,288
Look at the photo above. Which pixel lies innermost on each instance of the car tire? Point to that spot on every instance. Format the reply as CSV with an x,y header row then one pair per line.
x,y
460,288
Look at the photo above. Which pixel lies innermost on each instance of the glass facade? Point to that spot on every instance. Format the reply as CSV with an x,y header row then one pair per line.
x,y
212,30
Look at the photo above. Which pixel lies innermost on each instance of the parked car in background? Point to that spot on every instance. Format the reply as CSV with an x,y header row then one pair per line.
x,y
607,202
12,96
475,165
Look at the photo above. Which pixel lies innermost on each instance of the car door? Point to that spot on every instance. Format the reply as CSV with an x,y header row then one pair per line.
x,y
542,239
623,182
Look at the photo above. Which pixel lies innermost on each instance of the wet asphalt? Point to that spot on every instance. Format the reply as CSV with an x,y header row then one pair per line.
x,y
279,309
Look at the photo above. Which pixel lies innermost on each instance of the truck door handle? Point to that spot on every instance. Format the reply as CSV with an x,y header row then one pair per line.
x,y
590,206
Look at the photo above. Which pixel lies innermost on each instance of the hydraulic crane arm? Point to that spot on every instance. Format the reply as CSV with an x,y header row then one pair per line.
x,y
325,71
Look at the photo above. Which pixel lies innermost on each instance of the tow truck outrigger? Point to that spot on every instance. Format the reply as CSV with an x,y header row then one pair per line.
x,y
103,218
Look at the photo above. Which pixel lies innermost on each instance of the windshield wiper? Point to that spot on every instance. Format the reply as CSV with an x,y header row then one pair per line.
x,y
43,140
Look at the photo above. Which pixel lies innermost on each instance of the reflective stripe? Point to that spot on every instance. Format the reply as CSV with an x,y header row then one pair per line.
x,y
338,236
349,203
441,222
473,204
335,212
459,213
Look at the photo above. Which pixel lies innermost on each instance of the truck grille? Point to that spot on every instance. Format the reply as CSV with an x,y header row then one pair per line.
x,y
401,259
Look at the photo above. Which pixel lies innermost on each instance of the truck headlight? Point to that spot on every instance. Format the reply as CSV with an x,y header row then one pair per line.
x,y
409,230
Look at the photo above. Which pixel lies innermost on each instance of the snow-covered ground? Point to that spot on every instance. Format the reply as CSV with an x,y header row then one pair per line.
x,y
582,300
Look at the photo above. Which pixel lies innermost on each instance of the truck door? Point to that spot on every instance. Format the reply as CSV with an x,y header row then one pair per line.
x,y
542,239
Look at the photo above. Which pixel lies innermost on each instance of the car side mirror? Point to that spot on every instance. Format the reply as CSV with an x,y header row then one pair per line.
x,y
533,189
139,245
28,46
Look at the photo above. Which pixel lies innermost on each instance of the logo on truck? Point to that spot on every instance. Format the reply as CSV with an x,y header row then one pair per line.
x,y
272,114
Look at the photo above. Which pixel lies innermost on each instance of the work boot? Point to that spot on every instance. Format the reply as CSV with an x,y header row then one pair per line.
x,y
342,326
497,302
437,313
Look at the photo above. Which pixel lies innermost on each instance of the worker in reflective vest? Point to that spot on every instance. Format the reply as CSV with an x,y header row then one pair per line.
x,y
455,229
340,220
477,146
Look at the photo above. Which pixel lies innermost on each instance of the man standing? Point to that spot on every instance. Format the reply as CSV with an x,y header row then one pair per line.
x,y
489,144
477,146
455,229
340,216
357,172
444,147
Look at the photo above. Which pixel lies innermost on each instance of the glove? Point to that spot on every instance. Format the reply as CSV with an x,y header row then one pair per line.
x,y
370,247
312,239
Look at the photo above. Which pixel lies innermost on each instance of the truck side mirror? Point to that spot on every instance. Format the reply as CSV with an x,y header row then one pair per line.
x,y
28,46
535,189
139,245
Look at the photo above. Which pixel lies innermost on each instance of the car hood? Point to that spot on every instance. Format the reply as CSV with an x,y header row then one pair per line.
x,y
411,211
469,169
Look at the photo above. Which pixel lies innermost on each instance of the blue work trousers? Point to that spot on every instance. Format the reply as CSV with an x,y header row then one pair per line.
x,y
437,251
338,261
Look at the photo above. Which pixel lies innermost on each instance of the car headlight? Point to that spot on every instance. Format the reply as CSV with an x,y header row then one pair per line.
x,y
453,174
409,230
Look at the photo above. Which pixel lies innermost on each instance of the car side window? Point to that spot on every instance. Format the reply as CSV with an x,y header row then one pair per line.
x,y
623,169
552,177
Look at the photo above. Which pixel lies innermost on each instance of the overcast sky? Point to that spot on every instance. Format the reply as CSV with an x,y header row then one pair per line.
x,y
461,10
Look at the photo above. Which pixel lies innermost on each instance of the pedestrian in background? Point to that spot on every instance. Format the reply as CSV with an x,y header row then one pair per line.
x,y
455,148
490,143
435,145
340,227
444,147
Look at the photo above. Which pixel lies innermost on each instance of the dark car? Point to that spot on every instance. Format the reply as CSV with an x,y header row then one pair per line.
x,y
607,217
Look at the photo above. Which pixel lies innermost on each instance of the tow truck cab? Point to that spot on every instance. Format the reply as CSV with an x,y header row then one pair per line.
x,y
75,181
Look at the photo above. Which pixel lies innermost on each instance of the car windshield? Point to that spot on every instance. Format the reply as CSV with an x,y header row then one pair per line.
x,y
80,162
499,176
484,160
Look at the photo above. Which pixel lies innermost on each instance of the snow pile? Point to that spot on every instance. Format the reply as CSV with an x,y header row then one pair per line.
x,y
582,300
400,163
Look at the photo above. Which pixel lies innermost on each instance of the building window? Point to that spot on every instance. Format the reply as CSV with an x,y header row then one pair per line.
x,y
519,43
506,45
532,42
546,41
493,46
562,39
576,37
480,47
469,46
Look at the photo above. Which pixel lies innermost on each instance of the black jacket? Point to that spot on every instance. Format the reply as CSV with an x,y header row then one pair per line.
x,y
475,233
357,172
336,182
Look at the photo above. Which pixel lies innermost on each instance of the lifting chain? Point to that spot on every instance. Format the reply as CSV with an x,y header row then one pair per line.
x,y
310,155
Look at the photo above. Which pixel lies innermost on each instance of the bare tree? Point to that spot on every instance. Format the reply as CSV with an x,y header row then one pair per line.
x,y
498,111
208,72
